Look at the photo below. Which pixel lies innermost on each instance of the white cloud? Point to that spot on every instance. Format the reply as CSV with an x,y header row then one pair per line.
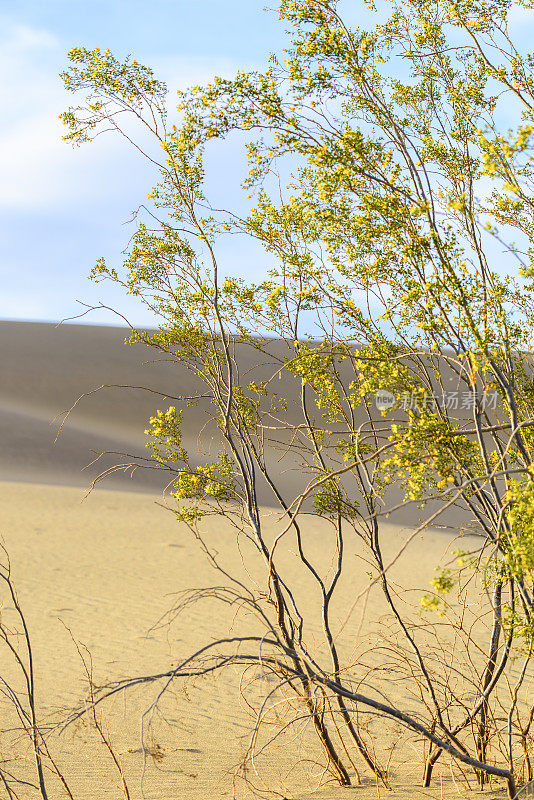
x,y
21,38
34,162
38,169
520,19
23,52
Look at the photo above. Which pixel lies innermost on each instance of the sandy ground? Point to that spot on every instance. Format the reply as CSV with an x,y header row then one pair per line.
x,y
108,568
102,571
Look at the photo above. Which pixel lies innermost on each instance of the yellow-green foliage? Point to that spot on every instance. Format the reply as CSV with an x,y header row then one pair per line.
x,y
331,500
442,584
206,482
519,540
379,236
166,436
427,455
103,76
315,366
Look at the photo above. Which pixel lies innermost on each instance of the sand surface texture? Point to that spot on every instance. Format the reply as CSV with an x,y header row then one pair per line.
x,y
96,575
108,568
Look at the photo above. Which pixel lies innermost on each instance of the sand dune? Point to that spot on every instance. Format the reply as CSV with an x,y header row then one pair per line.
x,y
109,567
46,368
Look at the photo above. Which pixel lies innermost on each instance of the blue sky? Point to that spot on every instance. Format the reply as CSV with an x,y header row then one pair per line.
x,y
60,209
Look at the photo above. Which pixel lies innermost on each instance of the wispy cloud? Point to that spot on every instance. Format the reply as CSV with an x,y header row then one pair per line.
x,y
34,162
38,169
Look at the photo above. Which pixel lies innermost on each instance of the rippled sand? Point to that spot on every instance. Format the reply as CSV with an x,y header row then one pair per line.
x,y
101,572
